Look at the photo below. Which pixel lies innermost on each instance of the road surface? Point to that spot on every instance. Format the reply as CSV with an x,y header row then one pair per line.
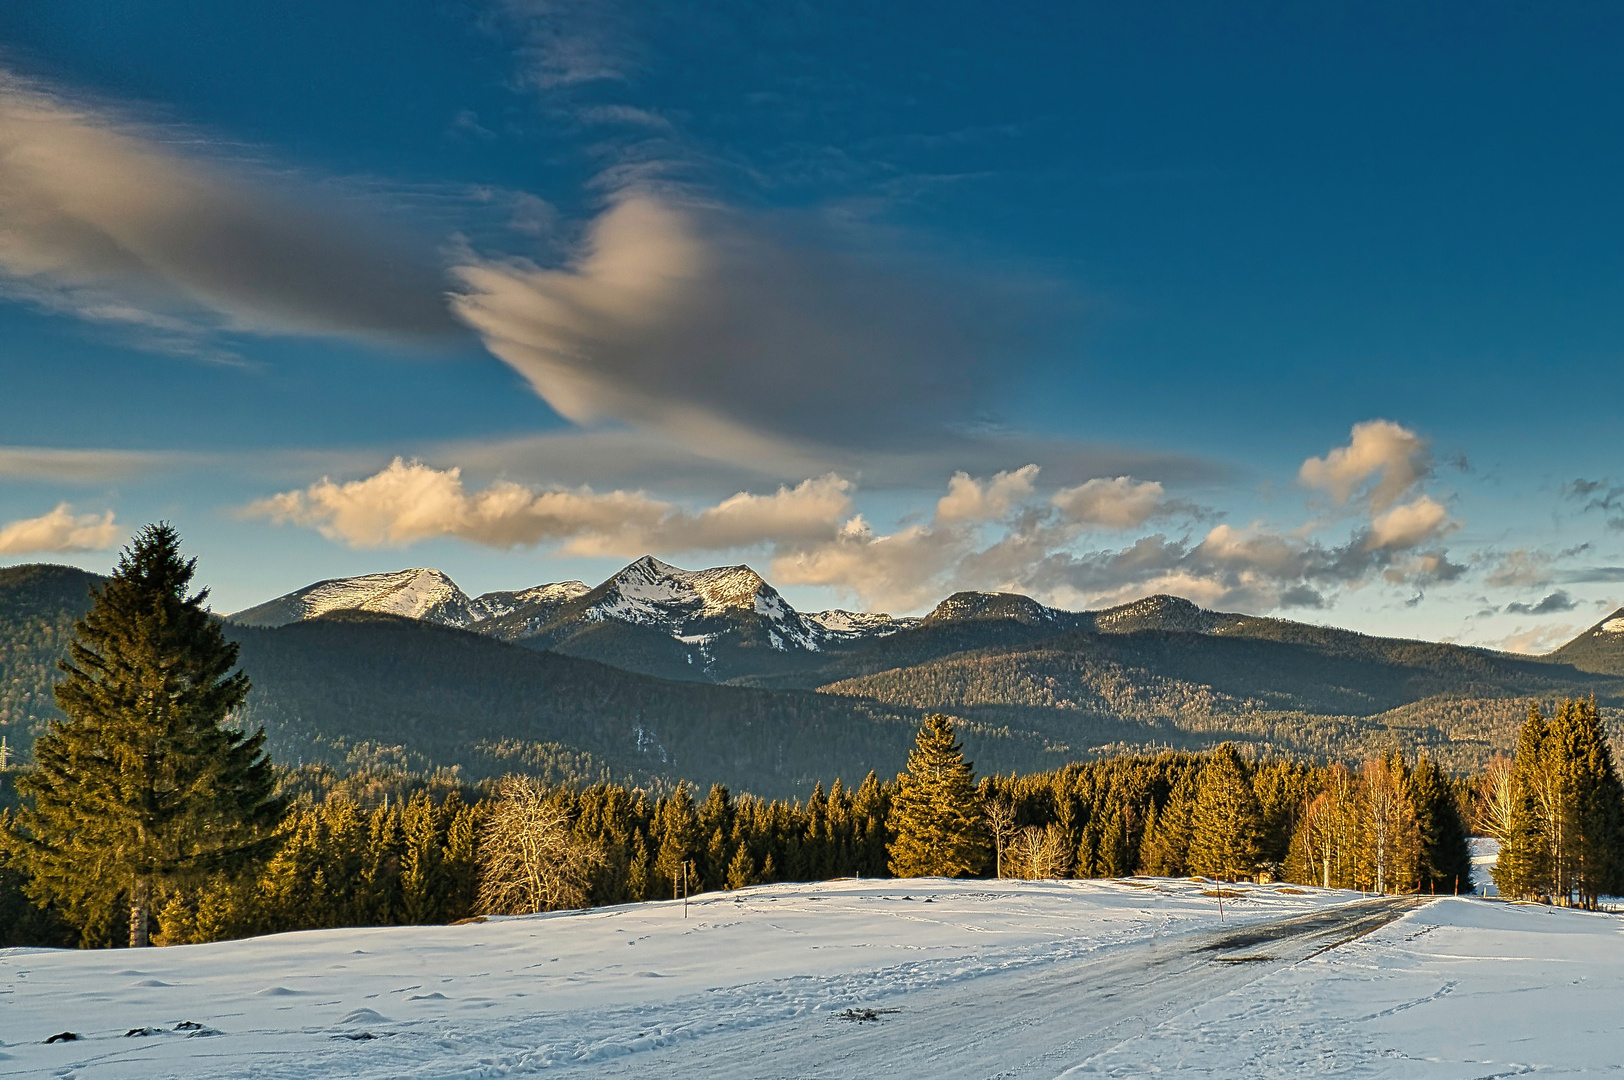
x,y
1043,1021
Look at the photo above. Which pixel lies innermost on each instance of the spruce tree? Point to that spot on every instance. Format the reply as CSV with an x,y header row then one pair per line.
x,y
1593,804
1227,824
938,823
1523,870
679,838
141,787
1445,863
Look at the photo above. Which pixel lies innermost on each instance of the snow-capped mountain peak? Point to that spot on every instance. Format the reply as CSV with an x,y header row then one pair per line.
x,y
418,593
683,602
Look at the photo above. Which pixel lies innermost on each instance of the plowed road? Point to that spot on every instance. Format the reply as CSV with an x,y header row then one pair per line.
x,y
1048,1020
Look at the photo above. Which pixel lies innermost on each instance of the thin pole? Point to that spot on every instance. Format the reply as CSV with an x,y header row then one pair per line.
x,y
684,890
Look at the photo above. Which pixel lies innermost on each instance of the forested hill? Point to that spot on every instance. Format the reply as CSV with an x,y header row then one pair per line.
x,y
383,691
1038,687
38,606
1599,649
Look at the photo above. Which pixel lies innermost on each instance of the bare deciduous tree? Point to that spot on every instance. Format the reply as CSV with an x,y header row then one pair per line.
x,y
1001,819
530,860
1496,799
1036,854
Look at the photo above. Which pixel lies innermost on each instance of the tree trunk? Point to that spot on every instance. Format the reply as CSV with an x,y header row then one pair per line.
x,y
140,907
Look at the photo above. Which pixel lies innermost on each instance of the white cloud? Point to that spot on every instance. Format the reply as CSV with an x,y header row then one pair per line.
x,y
969,499
60,531
1409,524
996,533
1122,503
897,572
109,221
1539,640
410,501
1393,456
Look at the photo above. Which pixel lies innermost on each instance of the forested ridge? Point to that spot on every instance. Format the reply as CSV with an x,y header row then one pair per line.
x,y
1032,688
388,849
151,814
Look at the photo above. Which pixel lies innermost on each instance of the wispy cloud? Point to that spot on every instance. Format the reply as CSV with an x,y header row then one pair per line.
x,y
1601,495
114,222
1553,603
714,329
60,532
565,43
80,466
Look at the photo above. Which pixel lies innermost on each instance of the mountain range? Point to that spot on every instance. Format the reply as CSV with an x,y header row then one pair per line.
x,y
712,675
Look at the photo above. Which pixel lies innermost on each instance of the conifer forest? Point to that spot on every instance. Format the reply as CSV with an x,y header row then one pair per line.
x,y
145,818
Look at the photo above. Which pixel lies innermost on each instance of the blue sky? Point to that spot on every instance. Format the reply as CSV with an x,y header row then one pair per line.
x,y
1307,312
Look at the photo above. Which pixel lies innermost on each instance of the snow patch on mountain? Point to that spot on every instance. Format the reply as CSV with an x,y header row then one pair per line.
x,y
496,605
1613,625
419,593
840,625
658,595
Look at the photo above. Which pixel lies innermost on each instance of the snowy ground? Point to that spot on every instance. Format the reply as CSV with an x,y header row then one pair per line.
x,y
1007,978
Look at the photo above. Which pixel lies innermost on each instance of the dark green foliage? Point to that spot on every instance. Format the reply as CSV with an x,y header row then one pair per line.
x,y
38,607
937,821
1445,862
1565,839
1226,828
1031,689
355,689
1598,649
141,787
22,921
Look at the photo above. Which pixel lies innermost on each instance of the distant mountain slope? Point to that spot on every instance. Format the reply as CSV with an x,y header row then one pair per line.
x,y
1599,649
1330,675
38,606
358,686
716,672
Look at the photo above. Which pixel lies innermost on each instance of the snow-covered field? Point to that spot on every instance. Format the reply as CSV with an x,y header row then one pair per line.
x,y
754,984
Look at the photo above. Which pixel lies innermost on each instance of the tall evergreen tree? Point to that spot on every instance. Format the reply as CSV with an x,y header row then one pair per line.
x,y
141,787
939,825
1523,870
1445,863
1593,804
1227,824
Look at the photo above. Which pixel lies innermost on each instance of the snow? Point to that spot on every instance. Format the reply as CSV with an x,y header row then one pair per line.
x,y
418,593
845,625
1485,855
1613,626
497,604
1461,988
753,983
568,988
656,594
